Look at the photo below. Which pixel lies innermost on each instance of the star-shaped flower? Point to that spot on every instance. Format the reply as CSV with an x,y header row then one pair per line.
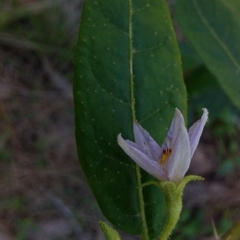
x,y
171,161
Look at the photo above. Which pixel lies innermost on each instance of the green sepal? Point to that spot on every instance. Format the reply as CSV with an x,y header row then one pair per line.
x,y
176,189
175,186
186,180
173,194
109,232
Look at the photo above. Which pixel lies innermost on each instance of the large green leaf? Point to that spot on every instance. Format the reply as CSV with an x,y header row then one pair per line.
x,y
127,68
203,90
213,28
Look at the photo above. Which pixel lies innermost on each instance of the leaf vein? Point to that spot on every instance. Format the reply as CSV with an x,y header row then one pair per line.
x,y
148,49
131,79
125,214
107,156
215,36
114,159
104,90
112,96
155,112
140,9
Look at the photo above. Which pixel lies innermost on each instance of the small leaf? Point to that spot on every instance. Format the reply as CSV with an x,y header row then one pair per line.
x,y
109,232
212,27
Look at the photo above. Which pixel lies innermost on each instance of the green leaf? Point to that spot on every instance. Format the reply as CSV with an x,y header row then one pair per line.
x,y
190,59
233,233
127,68
203,90
212,27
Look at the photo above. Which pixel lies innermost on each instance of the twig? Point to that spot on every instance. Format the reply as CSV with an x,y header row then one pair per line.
x,y
58,80
66,211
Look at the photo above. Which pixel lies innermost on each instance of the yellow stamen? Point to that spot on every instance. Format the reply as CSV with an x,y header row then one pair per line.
x,y
165,155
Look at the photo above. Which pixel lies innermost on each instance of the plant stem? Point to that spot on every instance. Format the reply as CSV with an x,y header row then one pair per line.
x,y
174,205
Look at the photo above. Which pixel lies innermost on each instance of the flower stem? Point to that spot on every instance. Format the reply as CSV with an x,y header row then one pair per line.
x,y
174,205
173,196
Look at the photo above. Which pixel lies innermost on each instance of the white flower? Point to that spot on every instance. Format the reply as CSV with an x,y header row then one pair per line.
x,y
171,161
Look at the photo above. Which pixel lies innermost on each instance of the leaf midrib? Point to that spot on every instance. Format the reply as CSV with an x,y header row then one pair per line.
x,y
133,112
215,36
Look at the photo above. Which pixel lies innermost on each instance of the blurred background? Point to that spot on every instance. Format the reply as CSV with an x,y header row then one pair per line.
x,y
43,193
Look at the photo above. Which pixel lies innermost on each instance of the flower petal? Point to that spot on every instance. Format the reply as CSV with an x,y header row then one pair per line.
x,y
195,131
146,143
150,166
179,160
173,130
